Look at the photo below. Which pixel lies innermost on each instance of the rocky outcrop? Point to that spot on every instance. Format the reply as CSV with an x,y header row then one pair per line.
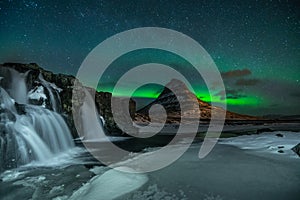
x,y
171,104
296,149
65,86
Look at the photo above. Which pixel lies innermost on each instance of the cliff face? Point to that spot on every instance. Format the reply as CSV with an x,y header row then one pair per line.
x,y
170,102
63,86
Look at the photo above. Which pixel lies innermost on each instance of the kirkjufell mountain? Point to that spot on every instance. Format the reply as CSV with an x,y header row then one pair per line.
x,y
170,102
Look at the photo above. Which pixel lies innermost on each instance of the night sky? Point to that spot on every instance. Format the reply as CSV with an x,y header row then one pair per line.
x,y
255,44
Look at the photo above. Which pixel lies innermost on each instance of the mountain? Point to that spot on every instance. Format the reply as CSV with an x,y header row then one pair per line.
x,y
171,104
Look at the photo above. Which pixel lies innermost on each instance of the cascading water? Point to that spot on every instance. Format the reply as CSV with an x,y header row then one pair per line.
x,y
28,132
15,84
87,111
53,93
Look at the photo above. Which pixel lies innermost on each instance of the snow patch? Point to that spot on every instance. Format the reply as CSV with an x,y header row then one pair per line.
x,y
110,185
11,175
267,142
157,194
38,93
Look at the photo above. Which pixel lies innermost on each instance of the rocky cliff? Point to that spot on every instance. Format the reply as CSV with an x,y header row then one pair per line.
x,y
37,79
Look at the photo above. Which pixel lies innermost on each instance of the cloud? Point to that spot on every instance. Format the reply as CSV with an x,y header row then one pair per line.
x,y
247,82
230,94
295,94
236,73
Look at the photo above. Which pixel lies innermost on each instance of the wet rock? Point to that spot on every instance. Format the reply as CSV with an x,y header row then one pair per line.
x,y
20,108
279,135
296,149
262,130
280,151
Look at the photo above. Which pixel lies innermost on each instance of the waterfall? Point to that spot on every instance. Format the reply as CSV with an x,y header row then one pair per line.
x,y
91,121
53,93
28,132
15,83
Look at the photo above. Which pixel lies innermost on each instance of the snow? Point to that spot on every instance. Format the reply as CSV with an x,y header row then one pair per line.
x,y
267,142
38,93
55,87
11,175
110,185
156,193
105,139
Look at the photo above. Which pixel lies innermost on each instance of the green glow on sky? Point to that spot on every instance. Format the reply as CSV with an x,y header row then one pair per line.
x,y
153,91
247,101
239,99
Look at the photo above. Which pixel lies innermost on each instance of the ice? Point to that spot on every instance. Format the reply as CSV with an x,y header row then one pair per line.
x,y
106,139
38,93
11,175
57,190
98,170
110,185
31,181
156,193
267,142
63,159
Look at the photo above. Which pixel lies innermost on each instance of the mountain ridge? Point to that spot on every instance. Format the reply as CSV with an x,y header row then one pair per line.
x,y
171,104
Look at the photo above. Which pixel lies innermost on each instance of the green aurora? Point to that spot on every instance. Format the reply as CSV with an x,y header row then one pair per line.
x,y
152,91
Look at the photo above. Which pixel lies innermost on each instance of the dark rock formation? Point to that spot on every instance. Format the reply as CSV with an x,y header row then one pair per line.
x,y
296,149
262,130
66,83
279,135
171,104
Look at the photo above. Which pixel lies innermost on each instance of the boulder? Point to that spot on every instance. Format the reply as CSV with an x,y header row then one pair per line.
x,y
296,149
279,135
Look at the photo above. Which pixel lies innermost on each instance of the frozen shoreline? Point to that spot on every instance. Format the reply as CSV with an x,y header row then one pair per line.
x,y
233,170
243,167
226,173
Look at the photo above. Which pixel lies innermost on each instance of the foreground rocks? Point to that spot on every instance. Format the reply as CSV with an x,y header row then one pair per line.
x,y
296,149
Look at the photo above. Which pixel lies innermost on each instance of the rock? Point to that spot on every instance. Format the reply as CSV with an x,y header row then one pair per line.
x,y
20,108
263,130
279,135
280,151
296,149
280,147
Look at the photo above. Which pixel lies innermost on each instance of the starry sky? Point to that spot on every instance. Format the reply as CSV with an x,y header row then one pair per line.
x,y
255,44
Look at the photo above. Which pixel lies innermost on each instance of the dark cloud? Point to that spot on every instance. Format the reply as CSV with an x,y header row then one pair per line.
x,y
236,73
295,94
230,94
247,82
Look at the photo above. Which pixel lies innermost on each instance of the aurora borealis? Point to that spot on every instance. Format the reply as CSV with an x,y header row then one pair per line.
x,y
255,44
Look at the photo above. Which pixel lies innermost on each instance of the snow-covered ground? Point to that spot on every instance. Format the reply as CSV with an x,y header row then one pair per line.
x,y
110,185
228,172
278,142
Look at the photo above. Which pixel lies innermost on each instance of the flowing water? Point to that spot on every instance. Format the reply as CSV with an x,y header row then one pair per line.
x,y
88,111
38,157
28,132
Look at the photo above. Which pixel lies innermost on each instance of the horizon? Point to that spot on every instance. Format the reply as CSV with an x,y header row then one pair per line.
x,y
142,100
